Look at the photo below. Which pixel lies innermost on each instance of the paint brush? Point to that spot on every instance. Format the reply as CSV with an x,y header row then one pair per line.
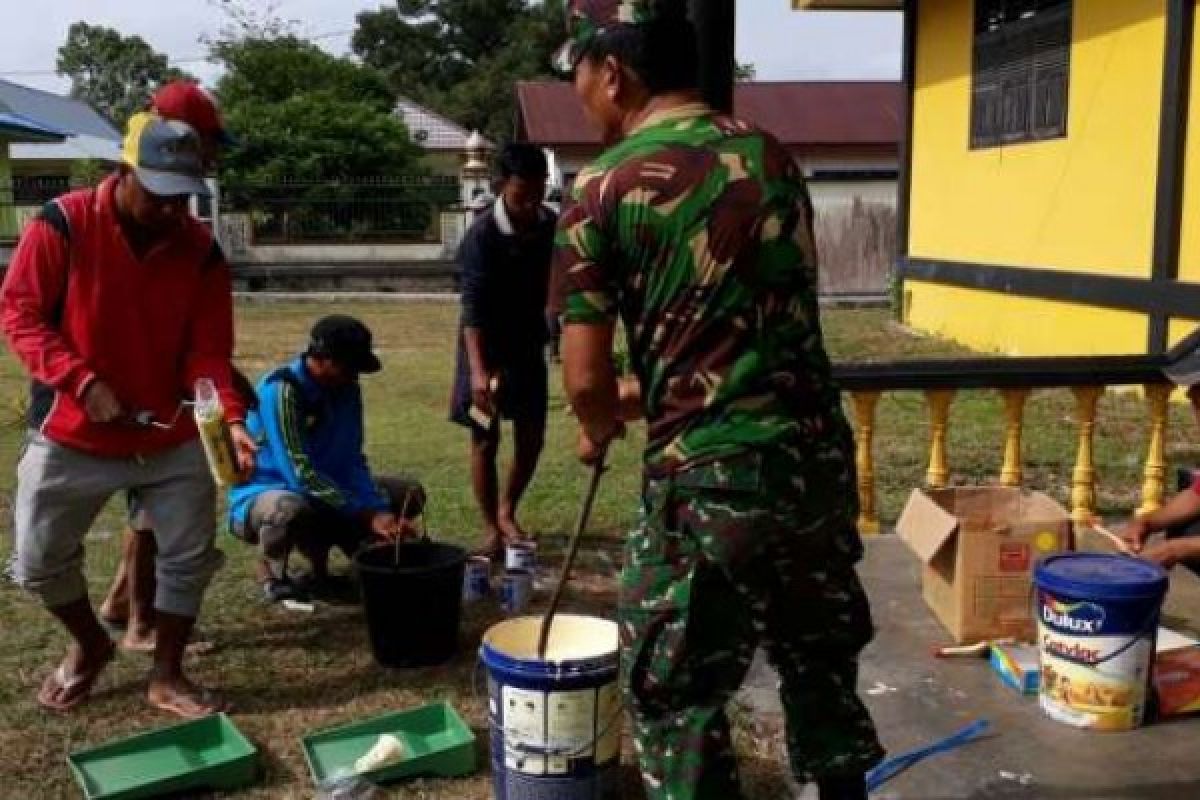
x,y
1116,541
403,515
585,512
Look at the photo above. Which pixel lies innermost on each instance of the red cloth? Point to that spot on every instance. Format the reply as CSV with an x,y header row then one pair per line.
x,y
147,328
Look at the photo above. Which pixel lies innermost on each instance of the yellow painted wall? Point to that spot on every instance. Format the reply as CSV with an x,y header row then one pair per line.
x,y
1084,202
1080,203
1018,326
1180,328
1189,251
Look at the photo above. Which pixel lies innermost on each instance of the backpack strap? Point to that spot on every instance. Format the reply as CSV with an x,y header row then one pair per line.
x,y
41,396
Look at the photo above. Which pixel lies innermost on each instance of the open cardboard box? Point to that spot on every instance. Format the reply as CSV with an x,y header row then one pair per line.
x,y
979,546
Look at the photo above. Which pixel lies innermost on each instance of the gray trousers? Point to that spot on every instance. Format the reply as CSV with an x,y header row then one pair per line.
x,y
60,491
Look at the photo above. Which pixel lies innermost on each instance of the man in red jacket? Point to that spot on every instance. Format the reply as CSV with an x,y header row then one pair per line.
x,y
129,604
117,301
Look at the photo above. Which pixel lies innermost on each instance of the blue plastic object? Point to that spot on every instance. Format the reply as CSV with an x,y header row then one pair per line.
x,y
897,764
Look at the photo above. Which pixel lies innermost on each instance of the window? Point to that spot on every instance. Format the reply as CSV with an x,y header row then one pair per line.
x,y
1022,70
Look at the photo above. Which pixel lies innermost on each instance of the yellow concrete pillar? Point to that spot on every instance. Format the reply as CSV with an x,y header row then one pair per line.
x,y
939,415
1154,490
1083,479
1012,473
864,423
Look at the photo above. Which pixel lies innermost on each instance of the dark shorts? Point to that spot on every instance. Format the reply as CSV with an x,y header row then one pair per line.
x,y
524,392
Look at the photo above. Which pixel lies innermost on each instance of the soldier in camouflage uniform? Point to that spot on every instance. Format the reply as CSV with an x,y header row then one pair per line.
x,y
696,230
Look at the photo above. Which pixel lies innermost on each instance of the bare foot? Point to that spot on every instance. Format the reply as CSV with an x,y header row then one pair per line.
x,y
511,530
493,544
71,682
181,697
114,615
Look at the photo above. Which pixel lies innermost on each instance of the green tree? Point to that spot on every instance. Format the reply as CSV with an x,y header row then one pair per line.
x,y
302,114
115,74
462,57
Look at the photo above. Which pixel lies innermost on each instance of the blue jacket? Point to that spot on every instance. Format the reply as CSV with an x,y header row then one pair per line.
x,y
310,442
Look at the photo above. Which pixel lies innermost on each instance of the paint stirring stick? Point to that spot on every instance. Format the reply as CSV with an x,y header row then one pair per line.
x,y
598,470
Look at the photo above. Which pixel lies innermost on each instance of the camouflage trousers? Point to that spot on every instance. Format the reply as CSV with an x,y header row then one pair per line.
x,y
729,556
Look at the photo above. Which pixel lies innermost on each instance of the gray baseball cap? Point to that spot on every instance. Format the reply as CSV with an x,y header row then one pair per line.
x,y
165,155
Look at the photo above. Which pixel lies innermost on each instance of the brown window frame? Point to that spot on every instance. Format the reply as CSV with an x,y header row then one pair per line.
x,y
1021,71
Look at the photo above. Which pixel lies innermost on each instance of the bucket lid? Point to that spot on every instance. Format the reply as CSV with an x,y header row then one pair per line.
x,y
1102,575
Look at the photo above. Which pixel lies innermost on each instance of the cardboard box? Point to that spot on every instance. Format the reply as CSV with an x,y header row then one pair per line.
x,y
1017,665
979,547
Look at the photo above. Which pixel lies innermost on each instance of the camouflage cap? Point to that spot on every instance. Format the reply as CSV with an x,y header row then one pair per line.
x,y
588,19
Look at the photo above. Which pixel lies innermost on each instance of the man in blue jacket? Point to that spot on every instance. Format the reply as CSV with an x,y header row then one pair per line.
x,y
312,489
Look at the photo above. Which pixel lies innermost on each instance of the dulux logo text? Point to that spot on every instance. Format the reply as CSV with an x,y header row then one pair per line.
x,y
1074,617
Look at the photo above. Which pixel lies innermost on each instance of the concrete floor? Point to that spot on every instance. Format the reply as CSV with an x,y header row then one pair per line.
x,y
916,699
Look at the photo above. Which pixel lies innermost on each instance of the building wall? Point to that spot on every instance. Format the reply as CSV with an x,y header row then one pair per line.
x,y
1189,252
840,194
8,223
1081,203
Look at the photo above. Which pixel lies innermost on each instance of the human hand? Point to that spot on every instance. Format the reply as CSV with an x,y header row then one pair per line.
x,y
592,452
100,403
385,525
1135,534
1168,553
245,449
481,393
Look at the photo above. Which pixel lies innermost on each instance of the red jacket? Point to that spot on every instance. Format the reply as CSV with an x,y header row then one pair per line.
x,y
77,305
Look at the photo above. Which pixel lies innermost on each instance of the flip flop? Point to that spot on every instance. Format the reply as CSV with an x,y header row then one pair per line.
x,y
79,686
182,703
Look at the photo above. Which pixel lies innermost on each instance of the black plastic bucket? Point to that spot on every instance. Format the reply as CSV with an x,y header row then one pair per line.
x,y
413,602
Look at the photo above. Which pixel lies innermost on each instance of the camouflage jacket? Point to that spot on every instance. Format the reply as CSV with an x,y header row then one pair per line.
x,y
697,230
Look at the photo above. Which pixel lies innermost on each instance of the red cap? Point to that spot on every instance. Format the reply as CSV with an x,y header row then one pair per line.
x,y
189,102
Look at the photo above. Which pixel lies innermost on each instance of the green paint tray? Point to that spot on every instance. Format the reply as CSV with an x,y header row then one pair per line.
x,y
209,753
436,739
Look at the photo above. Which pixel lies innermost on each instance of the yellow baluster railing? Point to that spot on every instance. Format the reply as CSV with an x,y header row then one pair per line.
x,y
939,401
1154,490
865,404
1083,478
1011,474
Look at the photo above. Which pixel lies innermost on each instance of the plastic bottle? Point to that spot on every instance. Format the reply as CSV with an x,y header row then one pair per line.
x,y
214,434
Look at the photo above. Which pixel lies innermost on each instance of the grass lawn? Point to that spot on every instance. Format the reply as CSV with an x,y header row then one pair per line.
x,y
289,674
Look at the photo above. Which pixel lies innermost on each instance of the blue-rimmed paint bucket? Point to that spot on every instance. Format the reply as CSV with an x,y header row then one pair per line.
x,y
1097,626
555,722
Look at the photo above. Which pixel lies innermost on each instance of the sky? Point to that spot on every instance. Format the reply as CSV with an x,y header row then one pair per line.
x,y
781,43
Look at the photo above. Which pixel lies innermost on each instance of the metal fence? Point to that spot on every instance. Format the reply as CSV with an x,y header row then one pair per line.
x,y
23,196
365,210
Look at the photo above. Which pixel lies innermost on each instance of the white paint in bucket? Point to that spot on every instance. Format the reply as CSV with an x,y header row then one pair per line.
x,y
555,723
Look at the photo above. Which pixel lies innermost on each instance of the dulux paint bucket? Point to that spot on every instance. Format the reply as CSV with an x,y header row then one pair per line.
x,y
516,591
1097,618
555,722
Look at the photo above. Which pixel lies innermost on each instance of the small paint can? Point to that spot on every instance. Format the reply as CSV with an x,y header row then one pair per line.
x,y
521,555
516,591
477,579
